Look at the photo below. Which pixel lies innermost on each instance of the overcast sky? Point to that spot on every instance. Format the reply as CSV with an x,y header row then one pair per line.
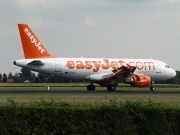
x,y
93,28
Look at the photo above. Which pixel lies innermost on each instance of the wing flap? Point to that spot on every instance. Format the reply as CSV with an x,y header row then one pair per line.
x,y
124,70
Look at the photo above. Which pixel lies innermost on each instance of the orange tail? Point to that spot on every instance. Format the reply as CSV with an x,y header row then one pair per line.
x,y
32,46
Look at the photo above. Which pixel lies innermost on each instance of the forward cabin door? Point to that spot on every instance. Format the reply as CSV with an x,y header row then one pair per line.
x,y
158,67
58,65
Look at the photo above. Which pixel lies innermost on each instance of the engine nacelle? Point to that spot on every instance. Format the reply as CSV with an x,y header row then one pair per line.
x,y
138,80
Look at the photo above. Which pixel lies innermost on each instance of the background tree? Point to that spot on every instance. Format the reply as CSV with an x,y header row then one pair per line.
x,y
10,76
17,78
4,77
37,80
33,77
42,77
0,77
25,74
175,80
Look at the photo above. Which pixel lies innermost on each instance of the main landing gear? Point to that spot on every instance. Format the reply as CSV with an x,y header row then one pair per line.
x,y
111,88
92,87
151,86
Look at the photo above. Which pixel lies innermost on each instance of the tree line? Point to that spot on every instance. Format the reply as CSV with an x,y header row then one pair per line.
x,y
28,76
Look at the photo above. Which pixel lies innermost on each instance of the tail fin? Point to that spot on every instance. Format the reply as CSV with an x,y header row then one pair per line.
x,y
32,46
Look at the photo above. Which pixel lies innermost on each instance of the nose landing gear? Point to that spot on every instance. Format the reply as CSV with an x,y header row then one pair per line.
x,y
151,86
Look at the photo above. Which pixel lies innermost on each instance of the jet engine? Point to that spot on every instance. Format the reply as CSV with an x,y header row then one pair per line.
x,y
138,80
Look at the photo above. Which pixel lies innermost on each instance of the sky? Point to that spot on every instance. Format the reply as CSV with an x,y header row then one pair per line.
x,y
93,29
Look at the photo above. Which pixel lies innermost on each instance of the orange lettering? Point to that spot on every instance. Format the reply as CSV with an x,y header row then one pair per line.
x,y
107,64
139,65
114,64
121,62
131,63
88,65
79,65
71,64
149,65
97,65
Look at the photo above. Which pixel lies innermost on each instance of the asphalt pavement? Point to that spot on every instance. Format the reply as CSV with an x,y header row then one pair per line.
x,y
86,92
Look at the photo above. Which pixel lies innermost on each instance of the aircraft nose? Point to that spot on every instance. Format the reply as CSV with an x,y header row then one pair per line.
x,y
173,73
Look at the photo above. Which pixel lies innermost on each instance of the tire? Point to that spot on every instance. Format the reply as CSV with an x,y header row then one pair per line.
x,y
152,89
111,88
91,88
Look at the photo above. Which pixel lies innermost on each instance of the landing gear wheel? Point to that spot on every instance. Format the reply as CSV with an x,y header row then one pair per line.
x,y
91,88
111,88
152,88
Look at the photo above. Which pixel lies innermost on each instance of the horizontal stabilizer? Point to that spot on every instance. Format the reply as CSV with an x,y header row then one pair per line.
x,y
36,63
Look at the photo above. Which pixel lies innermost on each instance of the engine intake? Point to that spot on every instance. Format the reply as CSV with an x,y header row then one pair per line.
x,y
138,80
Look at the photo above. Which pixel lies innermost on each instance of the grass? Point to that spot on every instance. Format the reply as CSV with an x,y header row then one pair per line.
x,y
78,86
85,98
90,98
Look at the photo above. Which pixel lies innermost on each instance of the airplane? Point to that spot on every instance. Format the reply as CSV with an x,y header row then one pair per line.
x,y
106,72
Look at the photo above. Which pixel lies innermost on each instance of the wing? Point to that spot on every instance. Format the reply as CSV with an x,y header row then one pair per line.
x,y
124,70
119,72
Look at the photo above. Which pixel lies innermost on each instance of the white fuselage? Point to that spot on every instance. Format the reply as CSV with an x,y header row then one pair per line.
x,y
80,68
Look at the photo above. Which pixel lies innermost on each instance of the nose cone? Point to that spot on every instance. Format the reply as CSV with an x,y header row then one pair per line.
x,y
170,73
173,73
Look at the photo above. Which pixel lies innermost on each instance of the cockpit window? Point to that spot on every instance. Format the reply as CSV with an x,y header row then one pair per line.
x,y
167,66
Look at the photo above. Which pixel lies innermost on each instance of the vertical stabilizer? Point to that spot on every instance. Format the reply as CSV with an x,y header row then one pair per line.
x,y
32,46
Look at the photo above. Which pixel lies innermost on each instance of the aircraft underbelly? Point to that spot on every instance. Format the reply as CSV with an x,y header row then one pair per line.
x,y
75,75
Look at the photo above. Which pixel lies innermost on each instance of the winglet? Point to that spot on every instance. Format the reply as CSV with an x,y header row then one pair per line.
x,y
32,46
